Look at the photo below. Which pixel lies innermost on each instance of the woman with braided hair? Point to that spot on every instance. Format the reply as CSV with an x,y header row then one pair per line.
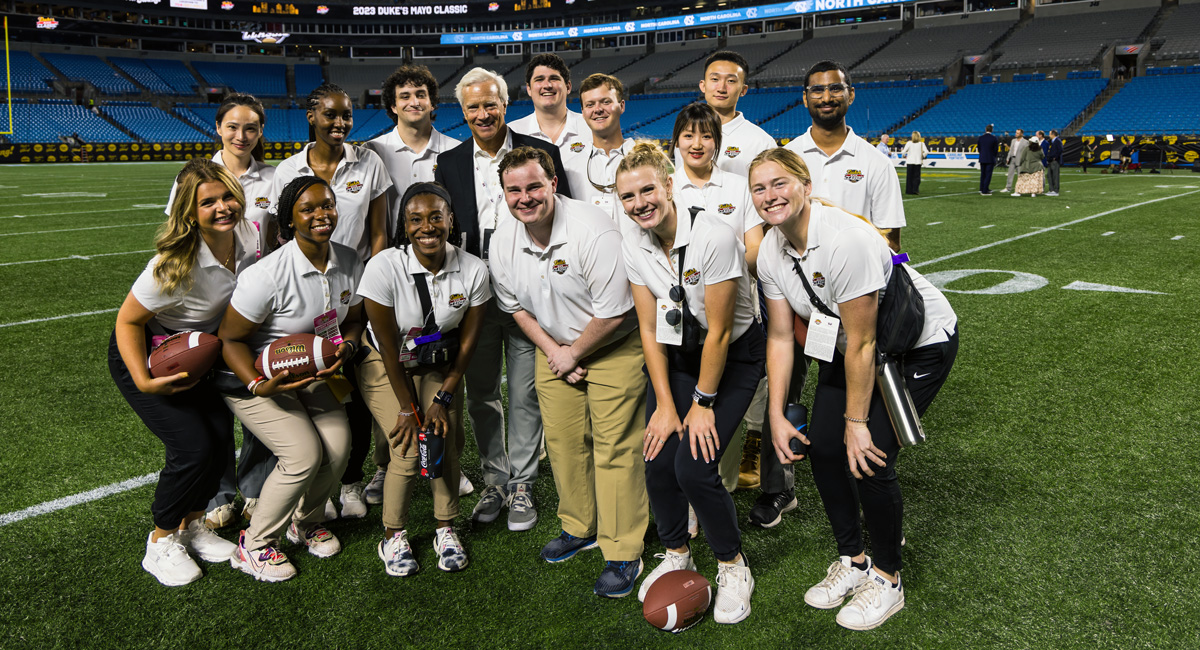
x,y
360,183
306,281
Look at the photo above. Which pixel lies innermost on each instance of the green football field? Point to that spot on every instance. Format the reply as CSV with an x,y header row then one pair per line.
x,y
1050,508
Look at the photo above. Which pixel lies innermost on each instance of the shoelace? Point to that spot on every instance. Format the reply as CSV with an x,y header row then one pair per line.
x,y
866,595
519,500
837,572
449,542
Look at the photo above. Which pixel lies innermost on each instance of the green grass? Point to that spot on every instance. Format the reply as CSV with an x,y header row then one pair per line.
x,y
1050,508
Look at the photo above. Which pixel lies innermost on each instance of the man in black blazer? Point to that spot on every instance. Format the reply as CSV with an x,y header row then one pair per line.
x,y
470,172
1054,158
988,147
484,107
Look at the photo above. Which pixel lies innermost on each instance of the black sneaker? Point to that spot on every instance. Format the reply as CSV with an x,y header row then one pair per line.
x,y
565,546
769,508
617,578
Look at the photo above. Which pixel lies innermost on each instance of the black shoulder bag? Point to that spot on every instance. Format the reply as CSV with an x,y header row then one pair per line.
x,y
693,333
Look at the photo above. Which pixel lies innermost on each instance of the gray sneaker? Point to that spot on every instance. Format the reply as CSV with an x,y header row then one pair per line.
x,y
521,513
491,500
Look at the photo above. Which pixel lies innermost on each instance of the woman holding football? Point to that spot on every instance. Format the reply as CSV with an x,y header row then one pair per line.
x,y
202,248
305,287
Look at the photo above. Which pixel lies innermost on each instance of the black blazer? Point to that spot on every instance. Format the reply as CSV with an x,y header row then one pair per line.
x,y
456,171
988,146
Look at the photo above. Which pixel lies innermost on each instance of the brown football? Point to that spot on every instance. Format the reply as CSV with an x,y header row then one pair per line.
x,y
190,352
677,600
302,355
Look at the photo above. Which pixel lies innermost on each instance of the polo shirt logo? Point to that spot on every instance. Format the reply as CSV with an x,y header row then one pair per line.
x,y
732,152
262,202
576,147
354,187
818,279
457,300
560,266
725,208
691,277
853,175
345,296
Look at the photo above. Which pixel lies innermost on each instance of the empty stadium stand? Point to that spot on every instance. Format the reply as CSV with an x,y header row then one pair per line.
x,y
49,119
845,47
175,74
262,80
756,53
90,69
926,50
142,74
308,76
1181,34
1139,107
613,62
1070,40
1020,105
151,124
666,59
28,74
877,107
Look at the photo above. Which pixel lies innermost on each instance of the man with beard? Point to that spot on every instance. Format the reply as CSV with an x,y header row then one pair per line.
x,y
845,168
470,172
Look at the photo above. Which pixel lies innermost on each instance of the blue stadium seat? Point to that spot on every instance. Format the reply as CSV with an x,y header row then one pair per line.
x,y
877,107
83,67
307,78
151,124
1022,105
1139,107
259,79
28,74
46,121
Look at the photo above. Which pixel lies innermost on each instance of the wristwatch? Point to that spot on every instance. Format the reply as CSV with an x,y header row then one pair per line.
x,y
444,398
703,400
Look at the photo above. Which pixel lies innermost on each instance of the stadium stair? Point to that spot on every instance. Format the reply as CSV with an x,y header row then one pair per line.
x,y
59,78
120,127
1110,91
899,126
1157,21
289,79
201,84
875,51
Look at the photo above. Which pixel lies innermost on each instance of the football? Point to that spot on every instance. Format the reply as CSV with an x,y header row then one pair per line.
x,y
190,352
677,600
799,329
302,355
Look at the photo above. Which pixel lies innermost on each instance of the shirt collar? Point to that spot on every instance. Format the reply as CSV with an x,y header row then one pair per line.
x,y
349,157
683,231
433,146
504,148
307,266
253,172
848,145
413,265
593,150
558,229
732,125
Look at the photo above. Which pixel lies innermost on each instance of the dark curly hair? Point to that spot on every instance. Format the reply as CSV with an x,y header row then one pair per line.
x,y
287,202
314,100
409,75
550,60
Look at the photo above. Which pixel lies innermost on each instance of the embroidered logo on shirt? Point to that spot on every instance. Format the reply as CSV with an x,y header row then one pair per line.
x,y
560,266
262,202
691,277
853,175
818,279
435,167
345,296
725,208
576,147
732,152
457,300
354,187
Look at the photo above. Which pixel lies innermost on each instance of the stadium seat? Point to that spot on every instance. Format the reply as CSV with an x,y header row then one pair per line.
x,y
83,67
1028,105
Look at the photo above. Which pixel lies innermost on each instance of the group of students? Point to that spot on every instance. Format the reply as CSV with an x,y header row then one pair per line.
x,y
641,309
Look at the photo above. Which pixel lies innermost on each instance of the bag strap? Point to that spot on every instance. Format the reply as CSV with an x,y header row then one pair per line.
x,y
812,295
431,325
694,210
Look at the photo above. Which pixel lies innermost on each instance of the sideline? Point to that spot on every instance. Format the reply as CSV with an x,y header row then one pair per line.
x,y
46,320
75,257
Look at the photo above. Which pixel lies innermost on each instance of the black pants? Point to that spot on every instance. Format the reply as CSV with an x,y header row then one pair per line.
x,y
360,425
925,370
674,479
197,430
912,179
985,177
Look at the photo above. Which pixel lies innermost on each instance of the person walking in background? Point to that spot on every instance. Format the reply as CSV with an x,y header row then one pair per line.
x,y
1089,155
1054,154
914,155
1015,148
987,146
1029,180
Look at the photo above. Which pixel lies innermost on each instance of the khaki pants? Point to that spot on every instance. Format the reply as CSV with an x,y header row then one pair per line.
x,y
594,439
404,472
308,432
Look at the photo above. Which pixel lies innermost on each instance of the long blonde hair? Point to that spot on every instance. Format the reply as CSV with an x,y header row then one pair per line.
x,y
178,239
647,153
794,166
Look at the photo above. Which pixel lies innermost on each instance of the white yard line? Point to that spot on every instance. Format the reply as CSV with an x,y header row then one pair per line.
x,y
46,320
75,257
47,232
60,214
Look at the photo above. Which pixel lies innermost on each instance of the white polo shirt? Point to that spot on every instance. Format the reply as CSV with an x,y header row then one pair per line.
x,y
491,210
741,141
726,195
857,177
461,283
202,307
406,166
714,254
256,184
580,275
571,141
600,167
846,259
359,178
284,292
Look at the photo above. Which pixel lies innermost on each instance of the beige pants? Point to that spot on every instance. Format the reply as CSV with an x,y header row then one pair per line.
x,y
308,432
594,439
404,472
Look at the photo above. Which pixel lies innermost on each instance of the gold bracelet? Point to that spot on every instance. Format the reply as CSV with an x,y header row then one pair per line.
x,y
857,420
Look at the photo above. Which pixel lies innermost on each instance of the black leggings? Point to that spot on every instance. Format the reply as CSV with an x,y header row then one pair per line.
x,y
879,495
197,430
912,179
674,479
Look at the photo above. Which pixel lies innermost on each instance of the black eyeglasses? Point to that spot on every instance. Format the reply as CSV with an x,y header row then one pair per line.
x,y
837,90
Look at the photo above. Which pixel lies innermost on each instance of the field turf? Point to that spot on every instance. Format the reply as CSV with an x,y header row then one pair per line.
x,y
1050,508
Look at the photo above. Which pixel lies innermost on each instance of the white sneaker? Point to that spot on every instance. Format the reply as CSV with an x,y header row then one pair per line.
x,y
1051,193
373,495
840,581
168,561
734,587
873,603
198,539
1015,194
465,486
317,538
1005,190
451,554
397,555
268,563
331,512
248,508
671,561
220,516
353,506
693,522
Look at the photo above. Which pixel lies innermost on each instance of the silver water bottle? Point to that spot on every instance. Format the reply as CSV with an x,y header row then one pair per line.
x,y
898,402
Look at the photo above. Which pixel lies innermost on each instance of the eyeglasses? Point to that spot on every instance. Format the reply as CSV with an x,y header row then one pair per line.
x,y
837,90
